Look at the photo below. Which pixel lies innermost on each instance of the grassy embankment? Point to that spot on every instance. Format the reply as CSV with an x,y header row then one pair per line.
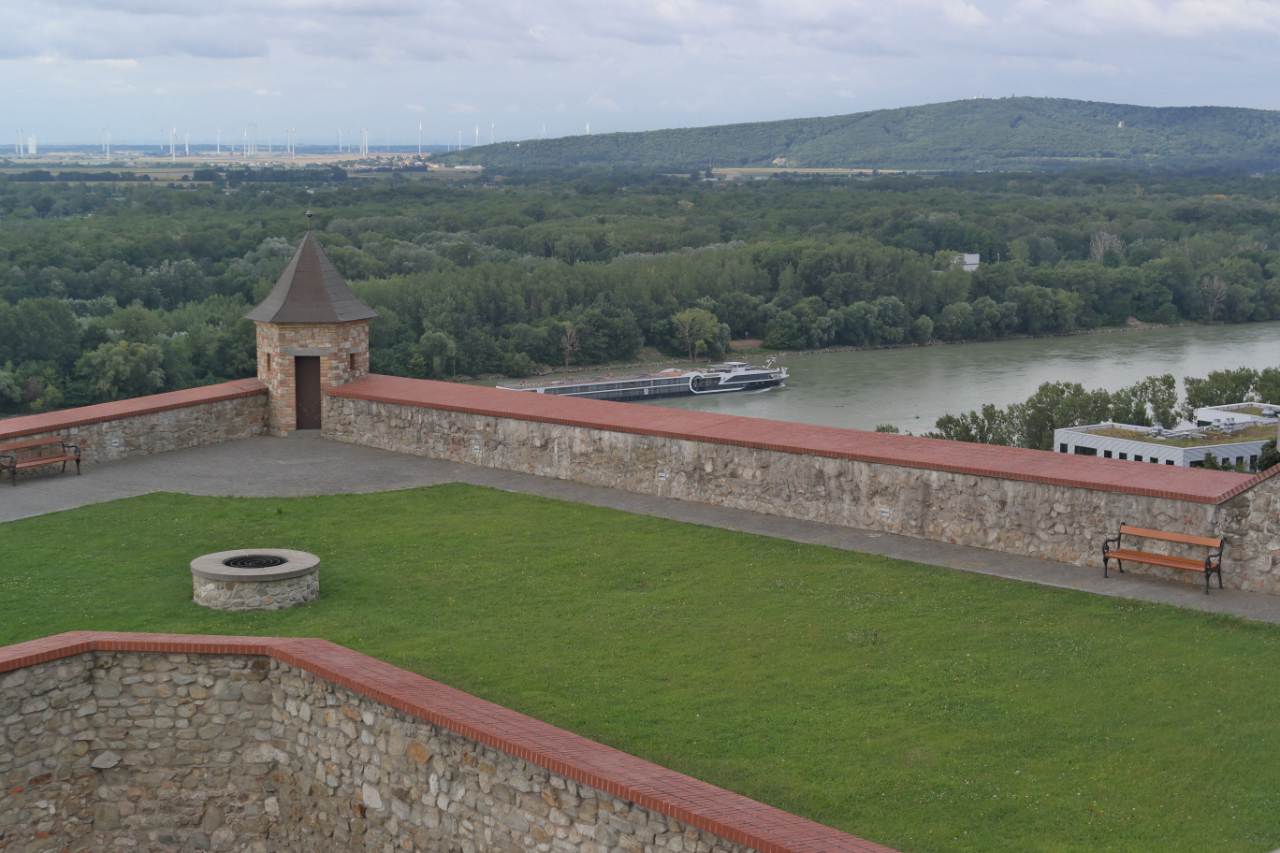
x,y
924,708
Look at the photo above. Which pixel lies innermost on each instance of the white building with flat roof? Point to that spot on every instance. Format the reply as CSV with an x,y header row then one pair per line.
x,y
1237,413
1229,441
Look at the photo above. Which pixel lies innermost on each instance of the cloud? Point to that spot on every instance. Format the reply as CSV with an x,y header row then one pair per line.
x,y
645,63
602,103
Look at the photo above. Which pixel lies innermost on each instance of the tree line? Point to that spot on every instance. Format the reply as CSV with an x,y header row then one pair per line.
x,y
109,291
1153,401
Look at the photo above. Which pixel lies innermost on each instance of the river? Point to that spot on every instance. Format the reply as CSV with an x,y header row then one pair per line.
x,y
911,388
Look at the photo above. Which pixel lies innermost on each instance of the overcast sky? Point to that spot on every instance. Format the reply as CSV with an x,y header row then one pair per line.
x,y
69,68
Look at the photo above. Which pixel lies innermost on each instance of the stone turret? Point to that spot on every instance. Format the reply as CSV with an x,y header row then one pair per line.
x,y
313,334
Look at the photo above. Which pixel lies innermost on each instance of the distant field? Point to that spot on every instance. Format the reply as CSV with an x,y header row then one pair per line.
x,y
155,173
766,171
160,170
927,709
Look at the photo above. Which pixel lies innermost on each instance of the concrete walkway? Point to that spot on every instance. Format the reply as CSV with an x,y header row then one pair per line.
x,y
306,464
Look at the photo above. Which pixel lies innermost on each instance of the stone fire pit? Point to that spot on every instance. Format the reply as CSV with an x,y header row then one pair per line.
x,y
255,579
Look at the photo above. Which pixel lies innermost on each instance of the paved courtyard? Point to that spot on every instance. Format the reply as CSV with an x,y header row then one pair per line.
x,y
305,464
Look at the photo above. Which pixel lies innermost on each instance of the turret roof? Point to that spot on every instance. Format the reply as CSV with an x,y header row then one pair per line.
x,y
311,290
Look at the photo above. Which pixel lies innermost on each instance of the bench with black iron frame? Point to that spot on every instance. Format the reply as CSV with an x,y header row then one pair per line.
x,y
13,461
1210,565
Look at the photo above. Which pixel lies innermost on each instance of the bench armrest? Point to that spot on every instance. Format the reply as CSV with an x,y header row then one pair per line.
x,y
1109,543
8,460
75,447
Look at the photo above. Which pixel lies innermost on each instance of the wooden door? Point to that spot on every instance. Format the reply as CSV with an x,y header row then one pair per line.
x,y
306,379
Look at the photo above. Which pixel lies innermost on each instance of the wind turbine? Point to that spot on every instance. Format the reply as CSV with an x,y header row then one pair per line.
x,y
491,133
477,134
219,132
419,139
186,143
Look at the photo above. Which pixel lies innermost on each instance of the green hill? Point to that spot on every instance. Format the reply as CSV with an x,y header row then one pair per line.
x,y
1006,133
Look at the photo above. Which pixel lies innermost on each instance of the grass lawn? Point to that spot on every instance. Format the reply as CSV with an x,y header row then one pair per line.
x,y
920,707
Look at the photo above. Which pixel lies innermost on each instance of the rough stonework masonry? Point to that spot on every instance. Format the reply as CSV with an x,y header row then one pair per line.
x,y
220,585
310,313
240,595
1020,501
343,350
154,424
162,742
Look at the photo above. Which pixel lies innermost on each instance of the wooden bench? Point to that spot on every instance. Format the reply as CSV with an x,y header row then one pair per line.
x,y
1210,565
16,456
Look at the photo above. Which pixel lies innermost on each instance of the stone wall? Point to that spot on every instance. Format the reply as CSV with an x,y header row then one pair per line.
x,y
108,747
175,429
361,776
139,751
255,595
112,431
343,349
1057,522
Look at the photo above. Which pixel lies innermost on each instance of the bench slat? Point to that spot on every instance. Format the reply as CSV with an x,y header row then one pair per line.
x,y
43,460
32,442
1165,560
1167,536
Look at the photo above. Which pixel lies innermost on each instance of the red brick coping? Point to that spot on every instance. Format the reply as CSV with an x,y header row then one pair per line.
x,y
131,408
983,460
724,813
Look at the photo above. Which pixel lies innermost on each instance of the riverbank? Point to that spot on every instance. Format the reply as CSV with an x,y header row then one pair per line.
x,y
748,349
911,387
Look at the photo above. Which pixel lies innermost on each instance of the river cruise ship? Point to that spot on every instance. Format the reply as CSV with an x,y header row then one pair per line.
x,y
724,378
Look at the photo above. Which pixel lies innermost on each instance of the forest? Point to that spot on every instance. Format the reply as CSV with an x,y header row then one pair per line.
x,y
116,288
969,135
